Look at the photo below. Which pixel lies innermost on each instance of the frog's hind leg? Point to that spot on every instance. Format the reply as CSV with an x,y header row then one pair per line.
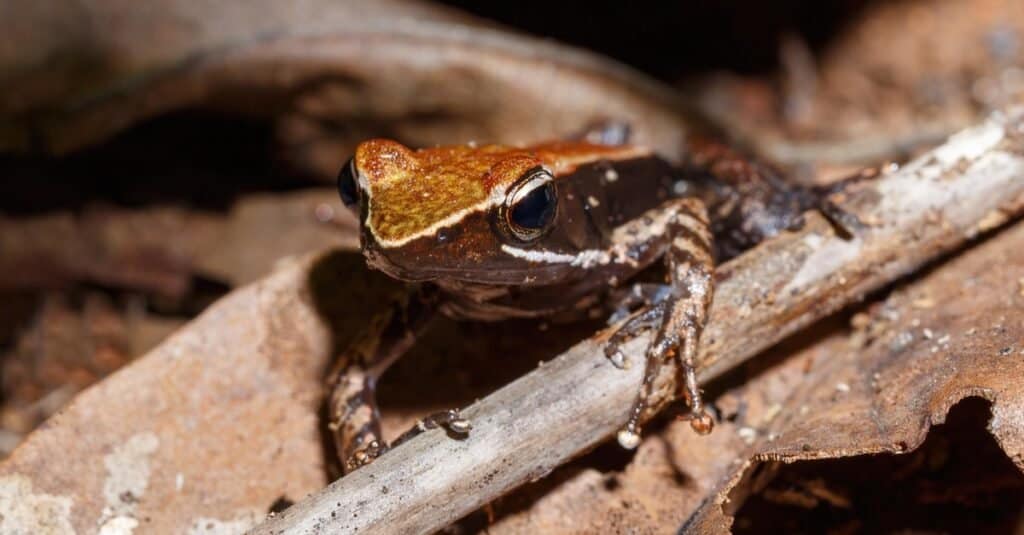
x,y
681,316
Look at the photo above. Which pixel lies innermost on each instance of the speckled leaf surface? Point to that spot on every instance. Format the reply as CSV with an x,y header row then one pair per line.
x,y
209,428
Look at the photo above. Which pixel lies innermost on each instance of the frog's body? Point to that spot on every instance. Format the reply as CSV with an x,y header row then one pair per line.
x,y
532,231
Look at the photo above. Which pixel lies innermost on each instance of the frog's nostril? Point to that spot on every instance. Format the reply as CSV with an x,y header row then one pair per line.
x,y
347,184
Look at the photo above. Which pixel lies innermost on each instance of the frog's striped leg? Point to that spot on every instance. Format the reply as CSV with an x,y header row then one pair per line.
x,y
690,266
354,415
354,418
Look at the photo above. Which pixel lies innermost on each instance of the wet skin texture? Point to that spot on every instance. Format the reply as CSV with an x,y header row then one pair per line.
x,y
493,232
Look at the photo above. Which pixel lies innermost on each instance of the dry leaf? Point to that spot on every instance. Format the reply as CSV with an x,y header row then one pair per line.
x,y
172,440
432,75
66,349
900,77
160,249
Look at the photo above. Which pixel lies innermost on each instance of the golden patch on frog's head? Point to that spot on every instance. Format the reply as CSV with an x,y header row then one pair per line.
x,y
414,193
409,194
447,212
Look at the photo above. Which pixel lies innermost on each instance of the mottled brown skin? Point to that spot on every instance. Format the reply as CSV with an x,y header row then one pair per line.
x,y
449,217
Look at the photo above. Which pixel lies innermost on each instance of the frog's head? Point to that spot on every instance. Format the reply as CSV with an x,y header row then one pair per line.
x,y
484,214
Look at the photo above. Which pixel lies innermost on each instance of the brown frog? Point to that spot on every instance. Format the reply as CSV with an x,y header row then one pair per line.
x,y
490,232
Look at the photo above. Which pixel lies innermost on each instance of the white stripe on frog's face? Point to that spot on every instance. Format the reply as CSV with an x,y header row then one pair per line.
x,y
623,239
540,257
585,259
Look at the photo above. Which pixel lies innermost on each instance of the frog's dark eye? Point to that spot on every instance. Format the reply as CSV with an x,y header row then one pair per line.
x,y
347,187
531,205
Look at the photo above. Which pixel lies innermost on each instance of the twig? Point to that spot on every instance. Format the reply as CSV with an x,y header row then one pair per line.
x,y
973,183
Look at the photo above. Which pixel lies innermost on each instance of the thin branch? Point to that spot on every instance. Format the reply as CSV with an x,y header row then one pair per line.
x,y
973,183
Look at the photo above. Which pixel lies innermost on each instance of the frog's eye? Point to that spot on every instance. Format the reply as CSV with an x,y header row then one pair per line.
x,y
347,187
531,205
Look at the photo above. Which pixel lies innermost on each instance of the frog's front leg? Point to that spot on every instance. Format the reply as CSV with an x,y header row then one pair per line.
x,y
679,317
352,406
354,417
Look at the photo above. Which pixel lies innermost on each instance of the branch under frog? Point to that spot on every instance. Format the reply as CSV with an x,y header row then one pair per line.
x,y
909,216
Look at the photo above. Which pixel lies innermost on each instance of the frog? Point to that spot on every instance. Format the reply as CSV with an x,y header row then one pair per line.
x,y
487,232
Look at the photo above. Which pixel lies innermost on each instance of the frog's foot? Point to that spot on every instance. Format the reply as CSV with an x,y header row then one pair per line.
x,y
450,420
364,456
679,317
664,348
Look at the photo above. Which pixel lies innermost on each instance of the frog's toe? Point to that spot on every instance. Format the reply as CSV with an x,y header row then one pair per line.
x,y
365,456
451,419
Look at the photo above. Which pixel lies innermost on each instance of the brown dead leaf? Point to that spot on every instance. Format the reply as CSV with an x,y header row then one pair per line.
x,y
331,73
877,390
103,245
66,349
901,76
161,249
262,229
172,440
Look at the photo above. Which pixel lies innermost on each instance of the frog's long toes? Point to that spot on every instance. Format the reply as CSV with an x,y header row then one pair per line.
x,y
628,438
450,419
365,456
